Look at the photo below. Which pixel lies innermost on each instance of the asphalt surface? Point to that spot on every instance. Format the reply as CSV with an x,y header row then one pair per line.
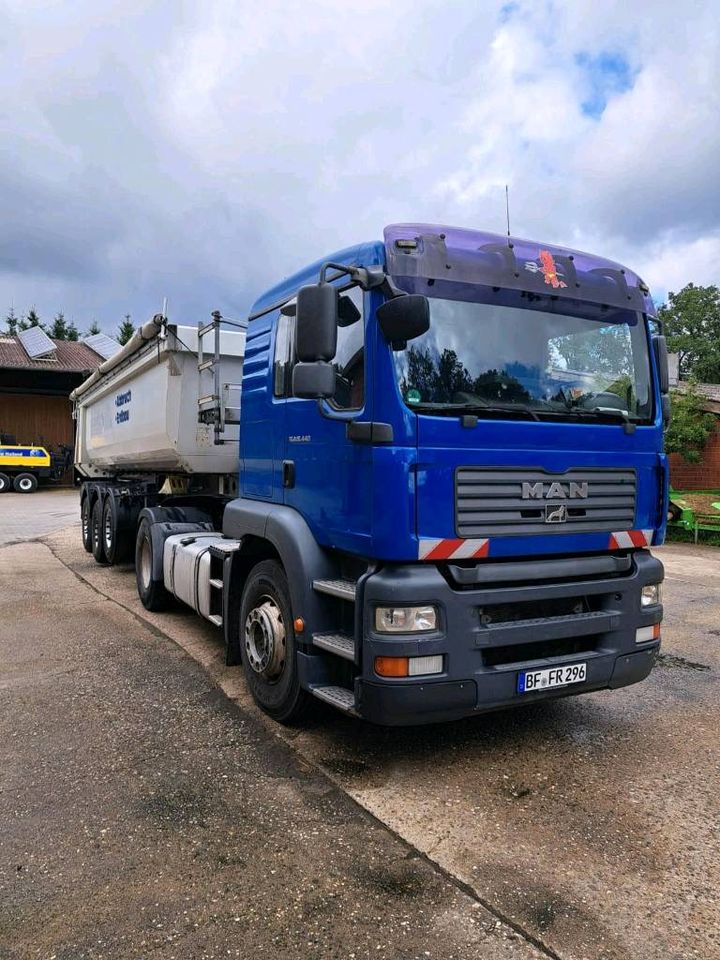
x,y
588,827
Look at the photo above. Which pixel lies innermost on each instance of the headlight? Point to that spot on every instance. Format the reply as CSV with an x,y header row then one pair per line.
x,y
405,619
651,593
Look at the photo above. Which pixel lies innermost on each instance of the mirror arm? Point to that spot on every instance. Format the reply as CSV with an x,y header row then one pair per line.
x,y
369,278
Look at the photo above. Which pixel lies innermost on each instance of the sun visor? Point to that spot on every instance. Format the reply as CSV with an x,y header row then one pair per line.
x,y
472,256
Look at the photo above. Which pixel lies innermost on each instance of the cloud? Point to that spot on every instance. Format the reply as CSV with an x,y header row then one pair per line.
x,y
201,151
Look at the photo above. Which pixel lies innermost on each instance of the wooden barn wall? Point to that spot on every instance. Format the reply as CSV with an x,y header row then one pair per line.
x,y
39,419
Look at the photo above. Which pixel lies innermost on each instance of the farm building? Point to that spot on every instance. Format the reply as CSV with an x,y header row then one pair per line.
x,y
37,375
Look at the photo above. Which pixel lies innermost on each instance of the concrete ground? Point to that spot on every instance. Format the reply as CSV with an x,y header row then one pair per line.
x,y
588,828
143,814
24,516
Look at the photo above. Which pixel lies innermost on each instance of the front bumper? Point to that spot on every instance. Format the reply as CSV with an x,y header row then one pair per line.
x,y
482,659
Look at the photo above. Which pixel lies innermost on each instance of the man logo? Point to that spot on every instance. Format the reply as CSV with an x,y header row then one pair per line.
x,y
555,491
556,514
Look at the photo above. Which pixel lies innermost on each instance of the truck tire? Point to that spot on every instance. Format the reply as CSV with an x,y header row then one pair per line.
x,y
116,540
96,533
25,483
5,483
85,519
152,593
267,644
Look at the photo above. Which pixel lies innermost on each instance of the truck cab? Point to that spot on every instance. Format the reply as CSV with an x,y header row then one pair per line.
x,y
447,479
468,429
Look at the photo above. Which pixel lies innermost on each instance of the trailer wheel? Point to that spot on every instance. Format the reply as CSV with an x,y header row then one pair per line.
x,y
5,483
85,520
117,540
152,593
96,533
25,483
267,644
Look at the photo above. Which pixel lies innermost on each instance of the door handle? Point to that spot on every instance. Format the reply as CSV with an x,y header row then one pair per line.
x,y
288,473
368,431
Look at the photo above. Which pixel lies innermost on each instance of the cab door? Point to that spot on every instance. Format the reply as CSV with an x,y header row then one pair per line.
x,y
326,475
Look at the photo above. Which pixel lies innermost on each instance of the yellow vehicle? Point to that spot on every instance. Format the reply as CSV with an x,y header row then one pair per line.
x,y
23,466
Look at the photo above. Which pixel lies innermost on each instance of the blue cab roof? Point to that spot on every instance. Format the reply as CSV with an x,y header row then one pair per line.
x,y
367,254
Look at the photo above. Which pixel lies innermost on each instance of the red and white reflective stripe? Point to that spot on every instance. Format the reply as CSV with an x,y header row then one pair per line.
x,y
452,549
630,538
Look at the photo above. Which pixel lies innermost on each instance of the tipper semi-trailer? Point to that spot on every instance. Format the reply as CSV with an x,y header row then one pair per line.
x,y
421,482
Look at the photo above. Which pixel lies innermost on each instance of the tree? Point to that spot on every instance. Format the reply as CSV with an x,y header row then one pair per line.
x,y
31,320
93,329
690,426
59,328
72,332
692,326
11,320
126,330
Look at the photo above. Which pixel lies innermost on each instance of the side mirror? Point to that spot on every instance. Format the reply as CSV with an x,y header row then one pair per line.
x,y
404,318
316,323
313,381
661,361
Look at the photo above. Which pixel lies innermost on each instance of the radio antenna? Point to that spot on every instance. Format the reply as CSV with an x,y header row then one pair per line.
x,y
507,210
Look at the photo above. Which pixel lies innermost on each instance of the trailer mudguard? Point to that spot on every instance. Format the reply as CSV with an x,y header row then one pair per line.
x,y
301,556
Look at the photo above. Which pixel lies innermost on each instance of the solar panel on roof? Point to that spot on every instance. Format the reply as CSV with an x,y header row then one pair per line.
x,y
102,344
36,343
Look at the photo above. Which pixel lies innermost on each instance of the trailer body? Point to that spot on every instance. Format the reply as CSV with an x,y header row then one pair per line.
x,y
141,416
449,477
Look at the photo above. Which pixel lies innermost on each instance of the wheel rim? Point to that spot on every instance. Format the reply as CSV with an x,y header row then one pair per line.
x,y
108,530
265,642
25,484
145,564
85,520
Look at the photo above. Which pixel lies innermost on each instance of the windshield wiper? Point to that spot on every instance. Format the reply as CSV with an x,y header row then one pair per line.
x,y
613,412
477,409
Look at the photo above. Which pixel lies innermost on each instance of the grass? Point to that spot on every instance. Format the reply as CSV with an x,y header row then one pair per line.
x,y
680,535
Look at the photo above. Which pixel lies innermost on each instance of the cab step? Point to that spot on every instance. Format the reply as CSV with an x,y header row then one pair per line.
x,y
338,643
344,589
216,619
339,697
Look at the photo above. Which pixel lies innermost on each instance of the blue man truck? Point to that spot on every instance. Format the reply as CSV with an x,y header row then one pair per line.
x,y
422,483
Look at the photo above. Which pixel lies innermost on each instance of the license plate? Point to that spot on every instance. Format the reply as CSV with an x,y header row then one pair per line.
x,y
530,681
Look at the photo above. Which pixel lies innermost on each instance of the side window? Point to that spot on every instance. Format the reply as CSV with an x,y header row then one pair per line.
x,y
350,355
284,350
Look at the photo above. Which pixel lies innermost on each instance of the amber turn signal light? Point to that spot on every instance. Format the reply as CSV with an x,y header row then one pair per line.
x,y
392,666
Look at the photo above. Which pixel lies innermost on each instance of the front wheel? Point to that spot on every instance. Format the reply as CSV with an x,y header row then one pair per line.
x,y
25,483
267,644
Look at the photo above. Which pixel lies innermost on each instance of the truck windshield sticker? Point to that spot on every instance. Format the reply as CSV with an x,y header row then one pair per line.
x,y
548,269
413,396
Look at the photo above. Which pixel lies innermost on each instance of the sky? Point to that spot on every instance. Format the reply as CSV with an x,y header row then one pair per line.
x,y
201,151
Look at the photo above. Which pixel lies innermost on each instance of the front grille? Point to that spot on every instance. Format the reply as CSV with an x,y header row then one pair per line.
x,y
490,502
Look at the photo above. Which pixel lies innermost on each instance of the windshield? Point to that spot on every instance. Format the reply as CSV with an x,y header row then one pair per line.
x,y
531,359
